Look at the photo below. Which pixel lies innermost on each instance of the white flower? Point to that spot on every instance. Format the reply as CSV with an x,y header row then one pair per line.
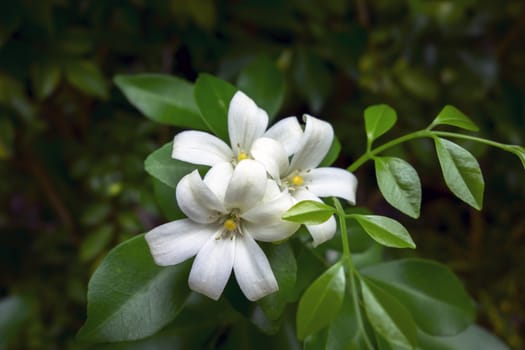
x,y
246,123
301,178
227,212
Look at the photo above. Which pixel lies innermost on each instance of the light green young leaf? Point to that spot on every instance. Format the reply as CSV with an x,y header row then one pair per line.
x,y
378,120
385,231
450,115
161,166
264,83
129,297
461,172
162,98
321,302
309,213
86,76
213,96
473,338
388,316
426,288
399,183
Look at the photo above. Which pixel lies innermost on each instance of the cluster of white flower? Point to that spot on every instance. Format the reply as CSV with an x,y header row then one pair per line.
x,y
244,195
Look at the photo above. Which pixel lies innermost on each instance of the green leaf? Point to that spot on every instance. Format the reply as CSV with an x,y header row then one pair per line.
x,y
162,98
450,115
309,213
378,120
284,266
264,83
161,166
426,288
461,172
167,201
388,316
14,312
344,332
313,79
385,231
86,76
399,183
332,154
321,302
213,96
520,152
473,338
45,77
129,297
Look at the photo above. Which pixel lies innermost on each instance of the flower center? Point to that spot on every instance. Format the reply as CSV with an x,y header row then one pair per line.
x,y
297,180
230,225
242,156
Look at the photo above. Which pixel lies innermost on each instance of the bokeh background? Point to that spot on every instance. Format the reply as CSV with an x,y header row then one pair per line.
x,y
72,183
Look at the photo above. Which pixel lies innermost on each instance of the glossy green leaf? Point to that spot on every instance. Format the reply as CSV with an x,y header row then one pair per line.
x,y
388,316
213,96
264,83
473,338
332,154
45,77
426,288
344,332
87,77
166,200
321,302
309,213
129,297
461,172
399,183
284,266
385,231
450,115
14,312
162,98
378,120
161,166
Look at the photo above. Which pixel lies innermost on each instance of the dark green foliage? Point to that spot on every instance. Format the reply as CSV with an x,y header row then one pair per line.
x,y
72,148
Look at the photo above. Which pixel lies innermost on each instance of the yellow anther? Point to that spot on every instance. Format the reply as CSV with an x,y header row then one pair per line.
x,y
242,156
297,180
230,225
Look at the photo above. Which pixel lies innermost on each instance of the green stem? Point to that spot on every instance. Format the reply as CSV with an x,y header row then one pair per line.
x,y
370,153
351,272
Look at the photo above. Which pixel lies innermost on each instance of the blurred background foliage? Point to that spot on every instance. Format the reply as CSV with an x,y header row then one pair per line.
x,y
72,148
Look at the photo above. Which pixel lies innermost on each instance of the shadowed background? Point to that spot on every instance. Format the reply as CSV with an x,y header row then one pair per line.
x,y
72,148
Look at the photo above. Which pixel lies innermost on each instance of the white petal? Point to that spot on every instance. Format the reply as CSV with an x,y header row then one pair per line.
x,y
269,211
271,154
196,200
272,190
288,132
315,143
179,240
270,232
246,122
252,269
325,182
212,267
218,177
247,185
322,232
198,147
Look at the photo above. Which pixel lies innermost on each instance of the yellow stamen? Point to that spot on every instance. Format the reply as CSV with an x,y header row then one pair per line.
x,y
242,156
230,225
297,180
